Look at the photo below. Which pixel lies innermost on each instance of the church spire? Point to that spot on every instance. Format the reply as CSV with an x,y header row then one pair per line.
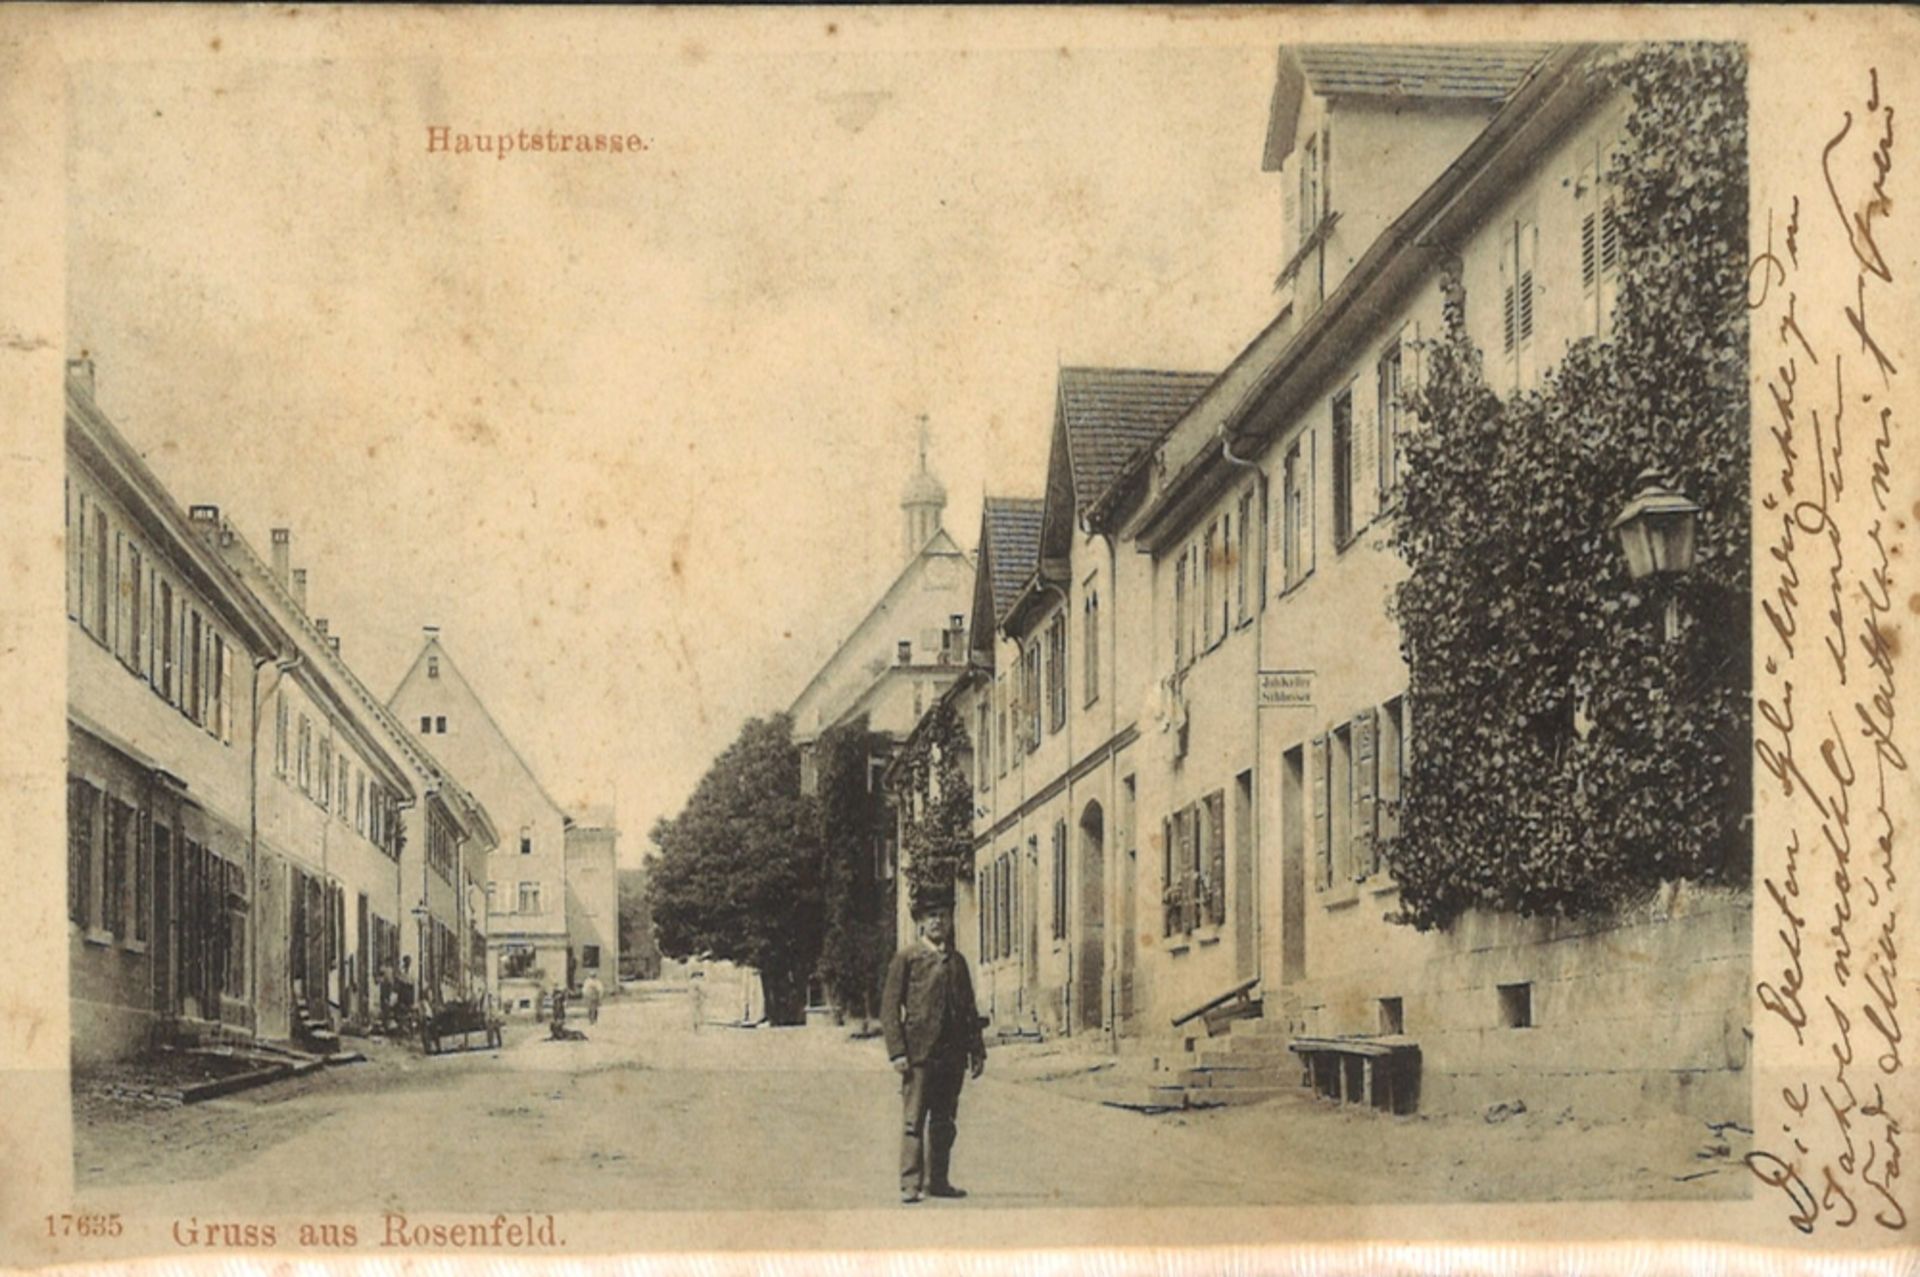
x,y
922,502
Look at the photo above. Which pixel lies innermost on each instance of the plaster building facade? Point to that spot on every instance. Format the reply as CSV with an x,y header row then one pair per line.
x,y
1294,709
416,919
902,656
526,921
1187,797
164,650
593,897
1056,811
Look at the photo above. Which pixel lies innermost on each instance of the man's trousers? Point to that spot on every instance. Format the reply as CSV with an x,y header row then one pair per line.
x,y
930,1095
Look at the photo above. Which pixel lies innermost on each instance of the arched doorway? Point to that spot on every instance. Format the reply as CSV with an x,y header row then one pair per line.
x,y
1089,994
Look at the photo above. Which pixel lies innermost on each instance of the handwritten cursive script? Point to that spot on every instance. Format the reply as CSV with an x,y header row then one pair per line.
x,y
1827,955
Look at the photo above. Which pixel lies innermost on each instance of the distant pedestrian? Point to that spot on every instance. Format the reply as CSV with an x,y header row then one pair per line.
x,y
932,1026
594,991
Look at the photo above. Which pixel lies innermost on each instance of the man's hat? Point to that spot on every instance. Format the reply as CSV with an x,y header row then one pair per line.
x,y
931,900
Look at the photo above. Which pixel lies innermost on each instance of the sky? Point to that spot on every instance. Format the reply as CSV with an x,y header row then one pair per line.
x,y
632,430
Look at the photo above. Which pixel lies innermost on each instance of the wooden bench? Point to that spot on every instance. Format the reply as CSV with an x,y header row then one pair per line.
x,y
1216,1013
1380,1072
458,1020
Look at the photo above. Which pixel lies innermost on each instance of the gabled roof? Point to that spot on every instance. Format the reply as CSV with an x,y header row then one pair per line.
x,y
1262,389
939,545
433,647
1481,72
1009,546
1460,74
1109,414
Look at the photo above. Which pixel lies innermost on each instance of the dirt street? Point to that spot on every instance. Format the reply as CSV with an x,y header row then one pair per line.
x,y
650,1114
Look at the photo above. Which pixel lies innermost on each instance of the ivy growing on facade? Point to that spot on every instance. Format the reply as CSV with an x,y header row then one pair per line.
x,y
937,788
1567,759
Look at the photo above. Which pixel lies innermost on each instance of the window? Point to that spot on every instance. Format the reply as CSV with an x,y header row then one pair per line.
x,y
1296,512
280,734
1343,468
590,955
1000,702
344,787
136,653
526,840
113,884
1059,880
1057,672
1519,251
196,683
1393,1018
102,583
1030,696
983,732
903,652
433,667
1388,421
82,801
1209,555
304,772
1243,556
360,805
1596,207
325,794
1090,646
168,684
440,725
1213,870
1516,1006
1221,568
1180,613
426,724
1392,767
983,899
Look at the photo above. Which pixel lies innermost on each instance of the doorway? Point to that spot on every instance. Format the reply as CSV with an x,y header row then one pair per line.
x,y
1089,993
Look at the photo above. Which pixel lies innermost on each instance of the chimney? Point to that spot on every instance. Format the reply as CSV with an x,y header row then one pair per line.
x,y
320,623
432,632
300,588
333,641
283,556
205,520
80,371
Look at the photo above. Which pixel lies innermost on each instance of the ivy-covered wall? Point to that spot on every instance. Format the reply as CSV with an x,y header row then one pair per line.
x,y
1566,758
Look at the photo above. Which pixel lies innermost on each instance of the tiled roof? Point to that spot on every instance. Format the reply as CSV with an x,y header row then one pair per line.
x,y
1473,72
1112,413
1010,531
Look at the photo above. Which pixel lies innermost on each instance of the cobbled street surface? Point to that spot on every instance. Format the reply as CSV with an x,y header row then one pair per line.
x,y
652,1113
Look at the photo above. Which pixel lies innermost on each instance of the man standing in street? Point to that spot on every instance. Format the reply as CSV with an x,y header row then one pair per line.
x,y
932,1027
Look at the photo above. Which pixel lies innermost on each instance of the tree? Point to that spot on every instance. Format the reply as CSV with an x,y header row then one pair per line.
x,y
1567,759
854,819
638,951
738,875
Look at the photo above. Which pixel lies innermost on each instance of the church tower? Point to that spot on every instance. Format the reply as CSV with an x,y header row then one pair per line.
x,y
921,503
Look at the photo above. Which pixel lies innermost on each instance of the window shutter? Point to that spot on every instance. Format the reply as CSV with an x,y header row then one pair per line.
x,y
1217,873
1310,498
1326,169
1529,246
226,694
117,611
1366,785
1322,815
1507,299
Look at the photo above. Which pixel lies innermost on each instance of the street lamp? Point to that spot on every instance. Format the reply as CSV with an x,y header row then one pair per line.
x,y
1656,531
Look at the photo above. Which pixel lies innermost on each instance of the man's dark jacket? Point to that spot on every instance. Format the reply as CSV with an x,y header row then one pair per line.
x,y
927,1007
